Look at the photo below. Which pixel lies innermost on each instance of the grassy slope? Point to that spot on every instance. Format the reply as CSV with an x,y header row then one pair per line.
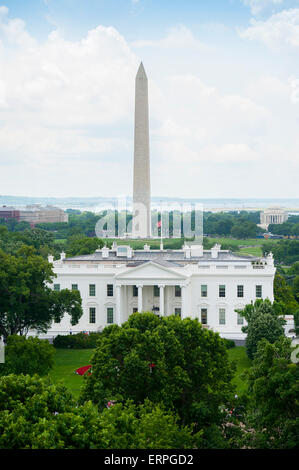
x,y
238,354
251,250
67,360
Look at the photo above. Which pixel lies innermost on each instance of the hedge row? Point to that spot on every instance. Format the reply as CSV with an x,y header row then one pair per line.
x,y
77,341
229,343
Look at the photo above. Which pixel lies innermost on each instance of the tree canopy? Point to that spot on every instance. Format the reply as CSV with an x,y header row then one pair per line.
x,y
166,360
273,408
26,300
264,322
35,414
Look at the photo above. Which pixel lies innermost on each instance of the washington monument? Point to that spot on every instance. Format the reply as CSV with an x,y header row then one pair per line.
x,y
142,185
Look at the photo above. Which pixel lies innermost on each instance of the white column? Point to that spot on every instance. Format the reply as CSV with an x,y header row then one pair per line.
x,y
161,301
118,305
183,297
139,299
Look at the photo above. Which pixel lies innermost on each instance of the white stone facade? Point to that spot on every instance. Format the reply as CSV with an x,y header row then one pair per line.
x,y
141,184
192,282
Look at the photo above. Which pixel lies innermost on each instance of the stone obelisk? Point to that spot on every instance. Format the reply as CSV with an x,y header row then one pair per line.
x,y
142,186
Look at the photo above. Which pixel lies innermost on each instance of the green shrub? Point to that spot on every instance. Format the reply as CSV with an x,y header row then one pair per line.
x,y
27,356
78,341
229,343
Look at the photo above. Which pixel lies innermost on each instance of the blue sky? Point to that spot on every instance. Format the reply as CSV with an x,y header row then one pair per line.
x,y
133,19
224,96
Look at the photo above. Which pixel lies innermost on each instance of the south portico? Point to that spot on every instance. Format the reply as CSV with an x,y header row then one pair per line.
x,y
150,287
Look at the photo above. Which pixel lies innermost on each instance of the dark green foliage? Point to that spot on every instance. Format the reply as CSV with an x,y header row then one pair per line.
x,y
27,356
296,321
83,245
244,229
35,414
191,370
295,288
264,322
284,294
229,343
235,224
284,251
25,300
77,341
273,408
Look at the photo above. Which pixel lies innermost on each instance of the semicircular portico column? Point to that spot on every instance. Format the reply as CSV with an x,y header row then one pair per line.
x,y
183,297
140,303
162,312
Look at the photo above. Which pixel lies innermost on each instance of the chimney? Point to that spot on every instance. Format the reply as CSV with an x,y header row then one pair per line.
x,y
51,259
270,259
62,256
196,251
105,252
215,250
187,251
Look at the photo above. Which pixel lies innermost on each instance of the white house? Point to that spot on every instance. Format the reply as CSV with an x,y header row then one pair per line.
x,y
205,284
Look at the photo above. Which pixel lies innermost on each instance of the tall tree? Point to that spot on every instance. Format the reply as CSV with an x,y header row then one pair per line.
x,y
264,320
26,300
167,360
273,400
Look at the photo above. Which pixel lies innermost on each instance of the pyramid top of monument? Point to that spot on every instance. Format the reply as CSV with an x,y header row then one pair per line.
x,y
141,71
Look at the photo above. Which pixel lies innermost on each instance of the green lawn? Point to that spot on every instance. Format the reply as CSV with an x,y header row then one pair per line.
x,y
251,250
60,241
243,243
66,361
239,355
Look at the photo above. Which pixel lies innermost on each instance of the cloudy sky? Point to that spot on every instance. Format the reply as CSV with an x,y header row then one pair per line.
x,y
224,96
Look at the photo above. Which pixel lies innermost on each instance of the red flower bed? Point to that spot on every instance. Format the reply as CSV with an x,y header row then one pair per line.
x,y
82,370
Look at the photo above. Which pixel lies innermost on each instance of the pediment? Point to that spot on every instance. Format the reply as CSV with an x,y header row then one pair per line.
x,y
150,271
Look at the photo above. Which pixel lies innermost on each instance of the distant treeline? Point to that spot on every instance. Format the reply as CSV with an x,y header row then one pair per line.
x,y
228,224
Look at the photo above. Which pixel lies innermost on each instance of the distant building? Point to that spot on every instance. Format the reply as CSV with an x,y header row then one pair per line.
x,y
34,214
9,213
273,215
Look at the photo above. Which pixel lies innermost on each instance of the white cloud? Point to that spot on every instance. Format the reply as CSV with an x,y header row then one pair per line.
x,y
66,116
257,6
280,29
178,37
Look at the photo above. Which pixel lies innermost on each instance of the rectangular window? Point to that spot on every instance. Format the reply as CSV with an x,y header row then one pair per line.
x,y
204,316
222,291
135,291
204,290
222,316
177,312
109,315
156,291
177,291
74,286
240,320
259,292
110,290
135,310
240,291
57,287
92,315
92,290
